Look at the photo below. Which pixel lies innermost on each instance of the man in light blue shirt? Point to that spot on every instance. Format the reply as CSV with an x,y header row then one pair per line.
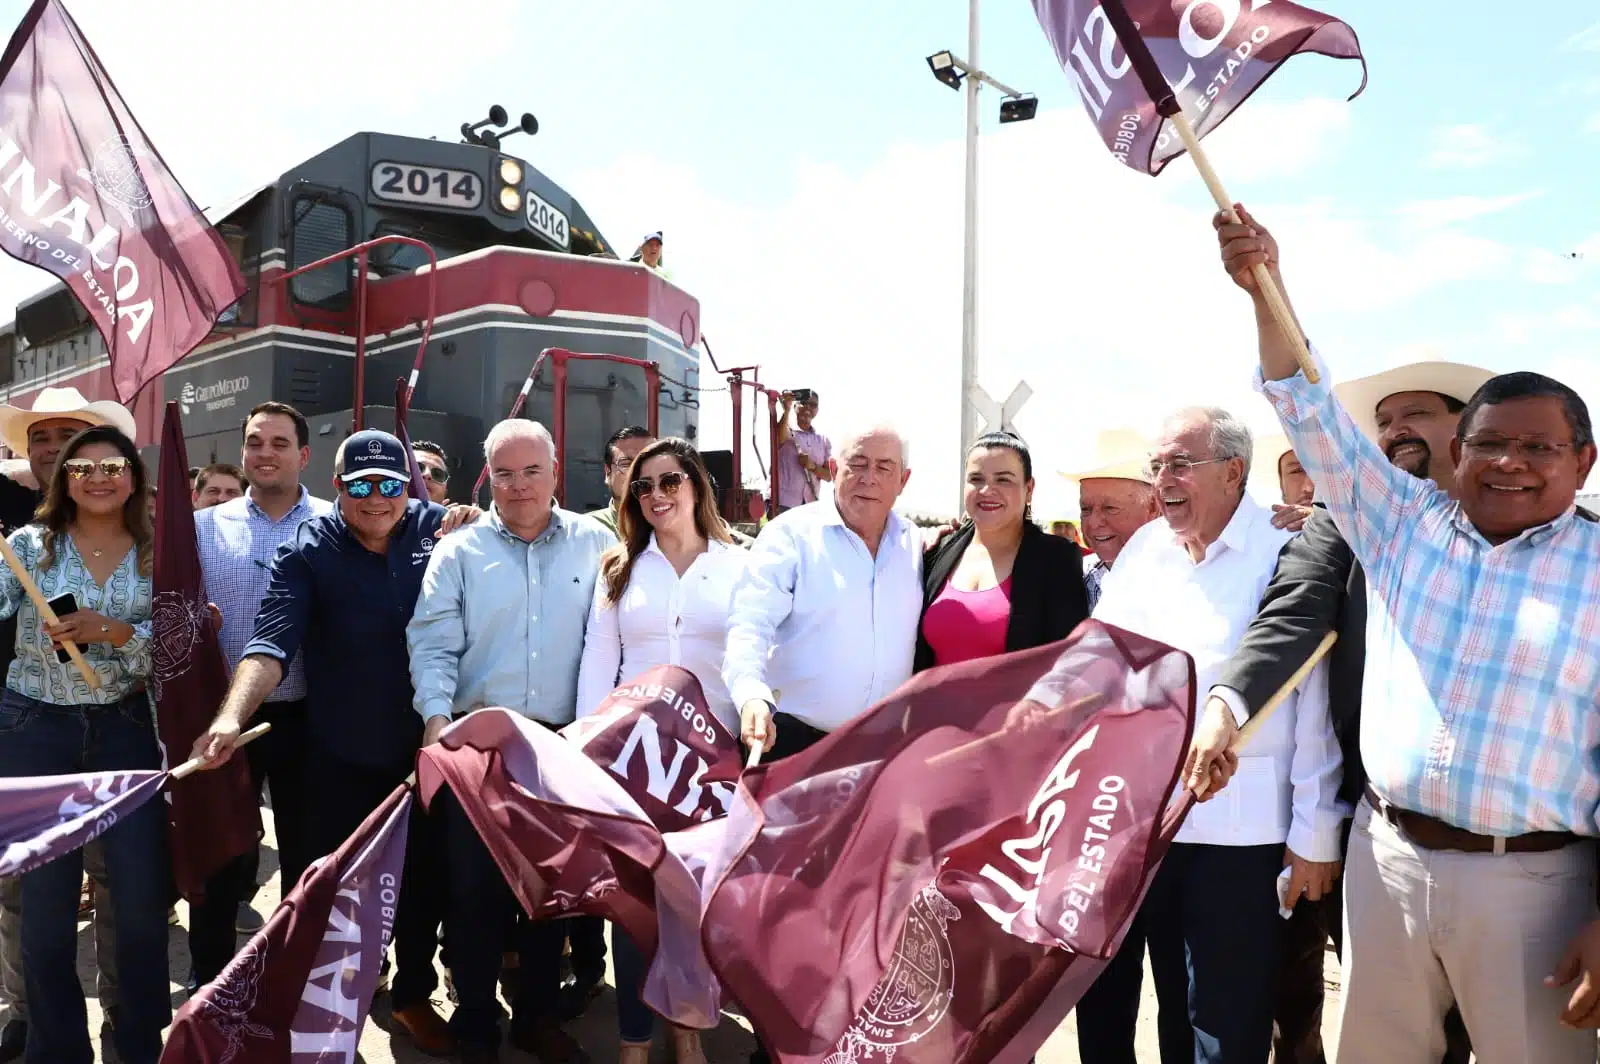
x,y
500,622
237,541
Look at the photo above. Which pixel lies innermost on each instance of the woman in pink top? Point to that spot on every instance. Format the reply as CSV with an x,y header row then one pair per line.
x,y
999,583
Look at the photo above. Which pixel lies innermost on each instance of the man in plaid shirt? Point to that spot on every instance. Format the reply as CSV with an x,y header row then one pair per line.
x,y
1472,867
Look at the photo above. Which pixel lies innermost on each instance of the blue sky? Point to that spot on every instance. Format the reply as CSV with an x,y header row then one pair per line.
x,y
807,170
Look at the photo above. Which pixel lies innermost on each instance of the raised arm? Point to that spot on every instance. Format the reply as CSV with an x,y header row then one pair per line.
x,y
1371,500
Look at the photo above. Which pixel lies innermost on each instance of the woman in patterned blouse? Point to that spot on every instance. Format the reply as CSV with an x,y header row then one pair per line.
x,y
91,540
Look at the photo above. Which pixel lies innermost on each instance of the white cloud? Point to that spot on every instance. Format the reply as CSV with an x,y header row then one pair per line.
x,y
1431,214
1098,286
1585,40
1467,145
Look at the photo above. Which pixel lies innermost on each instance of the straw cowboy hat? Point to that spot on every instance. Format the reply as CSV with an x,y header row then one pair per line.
x,y
1362,395
53,403
1119,454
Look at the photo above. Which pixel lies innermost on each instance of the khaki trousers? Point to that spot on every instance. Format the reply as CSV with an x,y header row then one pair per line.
x,y
12,987
1425,928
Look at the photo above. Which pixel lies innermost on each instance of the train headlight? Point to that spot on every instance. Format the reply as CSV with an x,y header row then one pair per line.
x,y
511,172
511,200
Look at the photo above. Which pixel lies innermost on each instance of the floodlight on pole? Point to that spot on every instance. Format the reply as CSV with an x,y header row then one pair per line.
x,y
959,73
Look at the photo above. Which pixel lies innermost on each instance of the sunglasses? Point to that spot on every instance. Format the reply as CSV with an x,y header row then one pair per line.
x,y
78,468
669,483
437,474
388,487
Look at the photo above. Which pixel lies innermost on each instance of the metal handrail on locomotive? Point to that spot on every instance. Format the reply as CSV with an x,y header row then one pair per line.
x,y
522,268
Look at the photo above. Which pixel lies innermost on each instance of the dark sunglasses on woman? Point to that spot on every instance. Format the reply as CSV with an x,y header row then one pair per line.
x,y
668,482
388,487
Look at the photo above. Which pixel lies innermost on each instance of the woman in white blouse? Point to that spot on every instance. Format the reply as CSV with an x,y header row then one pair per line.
x,y
663,598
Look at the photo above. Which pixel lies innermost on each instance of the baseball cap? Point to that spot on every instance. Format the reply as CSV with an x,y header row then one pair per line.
x,y
374,451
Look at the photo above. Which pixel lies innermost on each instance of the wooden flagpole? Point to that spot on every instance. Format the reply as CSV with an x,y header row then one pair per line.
x,y
47,614
1167,106
1257,722
1269,288
195,764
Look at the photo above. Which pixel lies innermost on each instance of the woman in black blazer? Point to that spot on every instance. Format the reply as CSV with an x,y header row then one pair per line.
x,y
999,583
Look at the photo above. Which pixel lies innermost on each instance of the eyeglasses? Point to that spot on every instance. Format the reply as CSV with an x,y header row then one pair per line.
x,y
437,474
1492,448
78,468
1180,465
388,487
669,483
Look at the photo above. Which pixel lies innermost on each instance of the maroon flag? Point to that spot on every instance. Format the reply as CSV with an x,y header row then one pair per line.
x,y
85,195
214,816
656,735
571,820
299,992
43,817
419,486
941,879
1201,56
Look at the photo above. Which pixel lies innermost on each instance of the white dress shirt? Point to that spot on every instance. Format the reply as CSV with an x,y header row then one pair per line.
x,y
664,619
1288,778
819,619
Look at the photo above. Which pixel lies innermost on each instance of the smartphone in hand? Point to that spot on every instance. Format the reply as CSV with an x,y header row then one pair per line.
x,y
63,605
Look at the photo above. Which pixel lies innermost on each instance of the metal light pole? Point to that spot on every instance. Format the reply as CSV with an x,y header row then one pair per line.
x,y
1016,107
969,262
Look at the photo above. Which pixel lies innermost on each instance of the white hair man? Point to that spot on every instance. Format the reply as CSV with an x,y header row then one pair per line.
x,y
825,616
529,570
827,612
1193,580
1115,500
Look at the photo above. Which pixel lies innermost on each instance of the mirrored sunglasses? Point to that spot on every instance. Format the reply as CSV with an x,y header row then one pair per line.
x,y
78,468
388,487
668,482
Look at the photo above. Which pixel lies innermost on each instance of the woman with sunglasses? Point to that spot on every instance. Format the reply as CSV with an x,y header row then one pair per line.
x,y
999,583
90,552
663,598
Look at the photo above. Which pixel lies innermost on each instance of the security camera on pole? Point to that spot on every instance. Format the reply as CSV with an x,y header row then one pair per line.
x,y
1016,107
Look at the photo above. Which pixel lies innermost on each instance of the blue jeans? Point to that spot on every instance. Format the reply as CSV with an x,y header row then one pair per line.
x,y
1212,925
43,739
636,1023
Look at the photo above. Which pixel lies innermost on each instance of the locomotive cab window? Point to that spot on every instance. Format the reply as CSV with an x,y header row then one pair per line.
x,y
319,227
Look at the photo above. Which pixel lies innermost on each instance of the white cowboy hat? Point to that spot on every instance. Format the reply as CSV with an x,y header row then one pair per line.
x,y
1119,454
53,403
1362,395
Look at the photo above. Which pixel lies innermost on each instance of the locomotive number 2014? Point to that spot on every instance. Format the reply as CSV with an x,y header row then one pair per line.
x,y
430,185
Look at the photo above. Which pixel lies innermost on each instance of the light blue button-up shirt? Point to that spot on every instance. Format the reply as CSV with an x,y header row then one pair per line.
x,y
500,621
237,542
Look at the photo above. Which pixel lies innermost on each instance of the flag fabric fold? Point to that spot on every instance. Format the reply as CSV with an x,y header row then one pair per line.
x,y
214,816
301,989
86,196
43,817
1204,57
580,822
942,878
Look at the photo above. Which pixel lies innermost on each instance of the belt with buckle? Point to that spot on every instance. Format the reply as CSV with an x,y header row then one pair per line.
x,y
1430,833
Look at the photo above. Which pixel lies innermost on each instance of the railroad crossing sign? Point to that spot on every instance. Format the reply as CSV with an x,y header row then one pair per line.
x,y
1001,416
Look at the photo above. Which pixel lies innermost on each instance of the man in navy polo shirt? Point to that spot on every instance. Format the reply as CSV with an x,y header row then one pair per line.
x,y
342,592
